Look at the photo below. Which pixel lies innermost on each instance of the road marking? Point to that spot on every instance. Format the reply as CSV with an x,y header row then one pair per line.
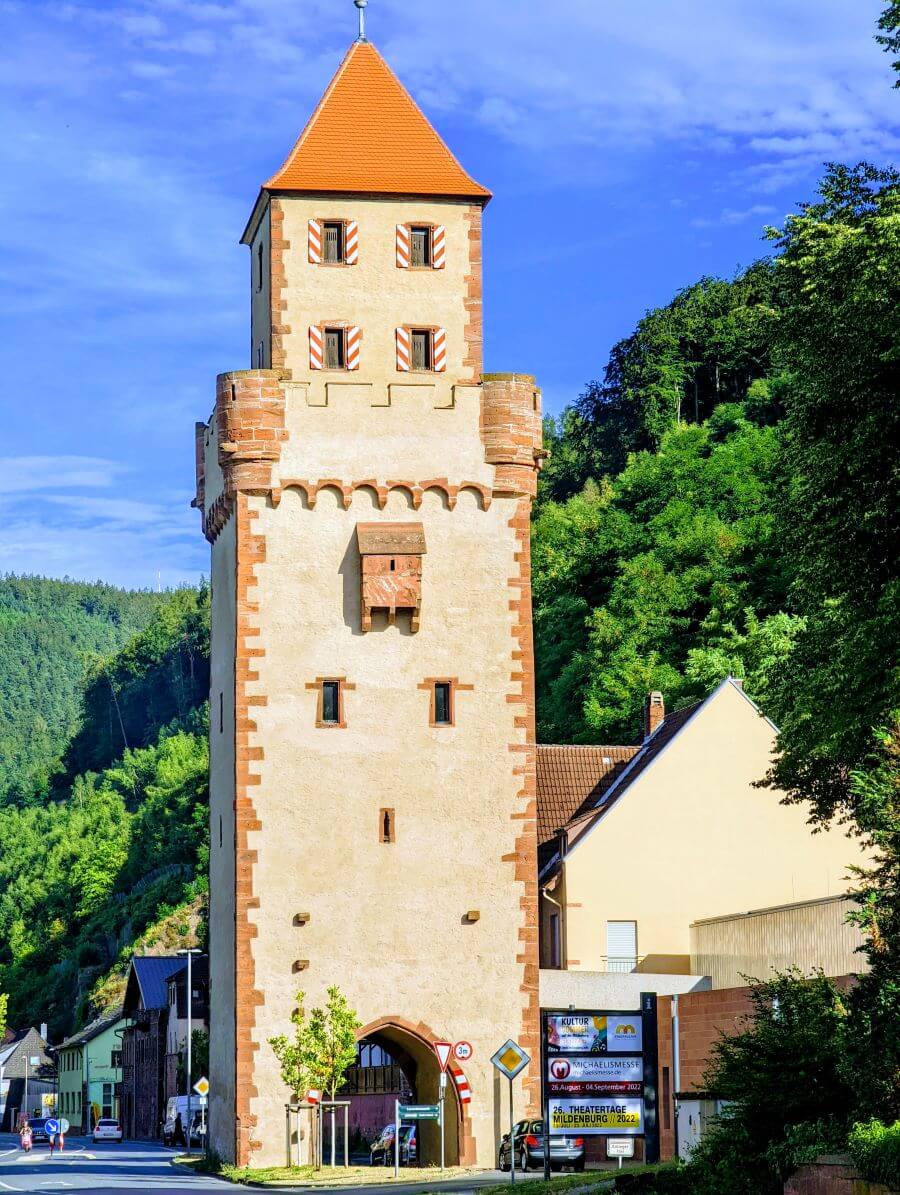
x,y
7,1187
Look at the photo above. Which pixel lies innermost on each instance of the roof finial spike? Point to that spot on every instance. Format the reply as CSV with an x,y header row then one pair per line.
x,y
361,6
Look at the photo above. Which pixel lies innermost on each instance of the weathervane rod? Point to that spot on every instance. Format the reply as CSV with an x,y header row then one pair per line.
x,y
361,6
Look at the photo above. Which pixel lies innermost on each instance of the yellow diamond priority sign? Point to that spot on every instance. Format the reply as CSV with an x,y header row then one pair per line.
x,y
510,1059
202,1087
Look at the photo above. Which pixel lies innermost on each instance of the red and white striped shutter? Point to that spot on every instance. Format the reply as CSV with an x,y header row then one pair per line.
x,y
403,251
351,243
314,241
316,350
438,247
403,350
439,350
354,344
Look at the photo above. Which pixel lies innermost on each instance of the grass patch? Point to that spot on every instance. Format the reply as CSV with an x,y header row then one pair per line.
x,y
363,1176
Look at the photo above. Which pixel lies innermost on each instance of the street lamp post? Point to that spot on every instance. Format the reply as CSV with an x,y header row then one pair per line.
x,y
190,1008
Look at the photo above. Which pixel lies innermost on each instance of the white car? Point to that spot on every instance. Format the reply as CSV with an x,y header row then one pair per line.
x,y
107,1130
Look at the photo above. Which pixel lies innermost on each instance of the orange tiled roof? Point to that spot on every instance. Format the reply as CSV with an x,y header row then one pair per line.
x,y
368,135
570,780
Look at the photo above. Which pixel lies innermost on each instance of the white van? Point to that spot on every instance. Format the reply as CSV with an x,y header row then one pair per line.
x,y
174,1105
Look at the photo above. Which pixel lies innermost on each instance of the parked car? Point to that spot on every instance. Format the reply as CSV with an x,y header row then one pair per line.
x,y
37,1124
198,1129
528,1148
383,1149
107,1130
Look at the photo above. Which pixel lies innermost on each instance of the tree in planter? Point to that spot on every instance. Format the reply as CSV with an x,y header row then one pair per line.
x,y
322,1049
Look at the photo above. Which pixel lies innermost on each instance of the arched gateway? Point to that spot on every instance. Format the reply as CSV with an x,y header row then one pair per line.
x,y
411,1048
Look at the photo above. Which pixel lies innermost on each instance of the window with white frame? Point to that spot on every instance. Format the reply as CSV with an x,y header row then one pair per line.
x,y
621,945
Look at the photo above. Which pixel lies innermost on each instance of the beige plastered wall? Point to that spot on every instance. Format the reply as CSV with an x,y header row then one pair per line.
x,y
692,838
374,294
387,921
221,843
261,296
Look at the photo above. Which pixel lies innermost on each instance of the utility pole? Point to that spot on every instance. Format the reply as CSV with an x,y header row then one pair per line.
x,y
190,1008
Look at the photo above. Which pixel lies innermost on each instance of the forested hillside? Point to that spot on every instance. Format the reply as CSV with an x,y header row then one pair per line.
x,y
113,850
51,633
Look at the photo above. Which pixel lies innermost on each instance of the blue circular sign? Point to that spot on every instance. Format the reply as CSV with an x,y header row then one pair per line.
x,y
51,1127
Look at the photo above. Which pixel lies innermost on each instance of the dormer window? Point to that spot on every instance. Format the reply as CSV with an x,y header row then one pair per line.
x,y
420,246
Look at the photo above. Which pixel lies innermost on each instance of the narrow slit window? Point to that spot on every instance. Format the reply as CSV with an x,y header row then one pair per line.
x,y
420,246
421,350
335,349
386,828
221,712
331,702
334,242
259,266
443,703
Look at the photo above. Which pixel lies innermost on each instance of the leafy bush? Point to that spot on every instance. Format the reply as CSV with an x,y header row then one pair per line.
x,y
785,1081
875,1149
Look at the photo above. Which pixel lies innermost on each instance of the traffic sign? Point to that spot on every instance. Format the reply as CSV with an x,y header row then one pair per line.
x,y
510,1059
313,1096
202,1086
419,1111
64,1126
51,1127
463,1051
442,1049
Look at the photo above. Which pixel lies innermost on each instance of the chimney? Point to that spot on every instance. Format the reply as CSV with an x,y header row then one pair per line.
x,y
44,1030
654,712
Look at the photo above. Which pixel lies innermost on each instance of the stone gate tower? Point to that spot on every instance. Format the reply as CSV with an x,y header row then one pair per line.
x,y
366,490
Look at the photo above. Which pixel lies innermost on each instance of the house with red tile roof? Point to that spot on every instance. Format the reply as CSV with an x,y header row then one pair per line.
x,y
639,844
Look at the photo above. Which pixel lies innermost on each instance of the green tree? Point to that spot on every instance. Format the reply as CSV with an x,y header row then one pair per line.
x,y
321,1050
783,1077
889,37
839,514
4,1000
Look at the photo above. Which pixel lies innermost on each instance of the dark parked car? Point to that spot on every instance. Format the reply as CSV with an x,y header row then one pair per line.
x,y
38,1129
383,1149
528,1148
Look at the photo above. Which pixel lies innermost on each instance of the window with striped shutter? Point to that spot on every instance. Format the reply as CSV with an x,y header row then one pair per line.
x,y
314,242
351,243
403,248
316,348
403,350
354,345
438,247
439,350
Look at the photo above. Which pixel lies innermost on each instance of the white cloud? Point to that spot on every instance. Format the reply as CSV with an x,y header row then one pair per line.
x,y
730,216
30,474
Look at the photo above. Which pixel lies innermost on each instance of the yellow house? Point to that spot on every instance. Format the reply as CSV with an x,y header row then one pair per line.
x,y
638,843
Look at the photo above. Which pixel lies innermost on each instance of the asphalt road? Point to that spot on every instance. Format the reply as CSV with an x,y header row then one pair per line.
x,y
83,1166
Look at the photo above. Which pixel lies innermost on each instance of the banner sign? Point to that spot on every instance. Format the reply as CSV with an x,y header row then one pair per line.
x,y
599,1074
581,1075
584,1033
597,1117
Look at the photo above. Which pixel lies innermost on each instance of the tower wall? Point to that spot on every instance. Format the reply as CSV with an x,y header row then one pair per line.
x,y
388,922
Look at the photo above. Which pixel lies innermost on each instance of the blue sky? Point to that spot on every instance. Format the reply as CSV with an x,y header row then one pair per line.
x,y
136,135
